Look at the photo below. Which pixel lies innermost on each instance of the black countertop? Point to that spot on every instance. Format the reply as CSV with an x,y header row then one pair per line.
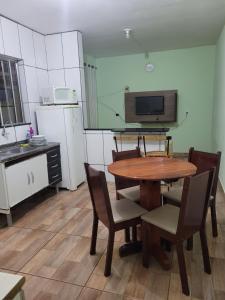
x,y
150,130
27,153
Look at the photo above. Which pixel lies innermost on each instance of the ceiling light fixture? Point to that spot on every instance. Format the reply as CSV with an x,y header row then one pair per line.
x,y
149,67
127,32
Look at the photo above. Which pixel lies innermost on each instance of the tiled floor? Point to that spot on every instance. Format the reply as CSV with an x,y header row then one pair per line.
x,y
49,244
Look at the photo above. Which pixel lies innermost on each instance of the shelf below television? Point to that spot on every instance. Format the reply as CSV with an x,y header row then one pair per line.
x,y
141,130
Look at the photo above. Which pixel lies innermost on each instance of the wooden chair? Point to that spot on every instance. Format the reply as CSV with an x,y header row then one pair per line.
x,y
127,188
203,161
177,225
115,215
167,140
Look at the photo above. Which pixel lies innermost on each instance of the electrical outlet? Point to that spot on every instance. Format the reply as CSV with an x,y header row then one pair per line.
x,y
127,89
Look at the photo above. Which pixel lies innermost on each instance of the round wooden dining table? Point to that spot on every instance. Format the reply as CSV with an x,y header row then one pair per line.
x,y
150,171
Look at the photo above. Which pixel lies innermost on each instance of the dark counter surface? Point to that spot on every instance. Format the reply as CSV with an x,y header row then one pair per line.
x,y
131,130
26,152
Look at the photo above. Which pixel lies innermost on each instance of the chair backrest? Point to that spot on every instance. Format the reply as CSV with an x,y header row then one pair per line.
x,y
122,183
99,194
194,203
205,161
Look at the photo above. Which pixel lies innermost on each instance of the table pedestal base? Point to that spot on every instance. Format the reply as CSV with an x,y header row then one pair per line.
x,y
156,251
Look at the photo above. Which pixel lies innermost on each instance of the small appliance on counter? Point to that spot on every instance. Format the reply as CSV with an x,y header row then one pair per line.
x,y
38,140
59,95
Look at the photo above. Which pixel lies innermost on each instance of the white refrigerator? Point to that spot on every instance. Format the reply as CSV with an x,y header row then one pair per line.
x,y
63,124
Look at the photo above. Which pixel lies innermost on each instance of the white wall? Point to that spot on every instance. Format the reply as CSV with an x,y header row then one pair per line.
x,y
20,42
65,63
46,60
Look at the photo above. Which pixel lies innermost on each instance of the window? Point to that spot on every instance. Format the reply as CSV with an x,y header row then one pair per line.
x,y
11,111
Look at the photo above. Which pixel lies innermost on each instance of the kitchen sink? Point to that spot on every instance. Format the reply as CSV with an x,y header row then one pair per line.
x,y
15,150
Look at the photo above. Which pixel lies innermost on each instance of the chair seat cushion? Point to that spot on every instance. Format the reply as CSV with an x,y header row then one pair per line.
x,y
173,196
124,210
165,217
131,193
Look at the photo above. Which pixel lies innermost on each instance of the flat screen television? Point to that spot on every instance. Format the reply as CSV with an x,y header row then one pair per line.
x,y
149,105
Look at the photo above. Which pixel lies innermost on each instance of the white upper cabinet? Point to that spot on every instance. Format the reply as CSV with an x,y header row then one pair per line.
x,y
2,50
54,51
27,45
40,51
10,38
71,49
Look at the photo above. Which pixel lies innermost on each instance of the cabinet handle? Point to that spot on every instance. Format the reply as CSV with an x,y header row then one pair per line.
x,y
55,166
52,156
55,176
28,178
32,176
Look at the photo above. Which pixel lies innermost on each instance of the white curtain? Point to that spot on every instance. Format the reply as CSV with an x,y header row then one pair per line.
x,y
91,94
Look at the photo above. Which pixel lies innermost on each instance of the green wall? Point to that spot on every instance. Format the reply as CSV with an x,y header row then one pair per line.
x,y
190,71
218,140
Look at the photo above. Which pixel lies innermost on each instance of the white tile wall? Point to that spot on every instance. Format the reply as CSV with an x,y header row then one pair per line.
x,y
23,84
56,78
11,38
109,145
80,47
70,49
27,45
95,148
32,84
109,177
73,80
26,111
42,79
40,51
2,50
21,132
54,51
33,107
10,136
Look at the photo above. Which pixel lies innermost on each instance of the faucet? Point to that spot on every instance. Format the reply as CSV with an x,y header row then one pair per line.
x,y
4,132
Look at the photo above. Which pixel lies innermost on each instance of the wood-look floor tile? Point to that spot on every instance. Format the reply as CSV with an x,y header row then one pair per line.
x,y
219,295
92,294
175,291
81,224
18,245
66,258
146,284
52,219
37,288
121,272
218,274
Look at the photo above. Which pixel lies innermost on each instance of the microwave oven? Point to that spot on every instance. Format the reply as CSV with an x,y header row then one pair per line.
x,y
59,95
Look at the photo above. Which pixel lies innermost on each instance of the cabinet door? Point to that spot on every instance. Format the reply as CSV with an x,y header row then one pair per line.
x,y
26,178
18,182
39,173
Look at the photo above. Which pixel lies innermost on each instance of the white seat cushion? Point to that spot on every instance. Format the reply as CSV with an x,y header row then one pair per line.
x,y
131,193
125,209
165,217
173,195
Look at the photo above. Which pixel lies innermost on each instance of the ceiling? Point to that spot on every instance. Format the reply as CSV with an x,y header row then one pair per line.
x,y
157,24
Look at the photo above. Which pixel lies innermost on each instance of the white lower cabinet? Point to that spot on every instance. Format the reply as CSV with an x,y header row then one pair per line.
x,y
26,178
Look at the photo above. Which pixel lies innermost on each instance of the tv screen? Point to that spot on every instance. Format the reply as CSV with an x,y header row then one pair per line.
x,y
149,105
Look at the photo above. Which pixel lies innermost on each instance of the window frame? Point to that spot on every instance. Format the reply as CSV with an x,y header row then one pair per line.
x,y
15,61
